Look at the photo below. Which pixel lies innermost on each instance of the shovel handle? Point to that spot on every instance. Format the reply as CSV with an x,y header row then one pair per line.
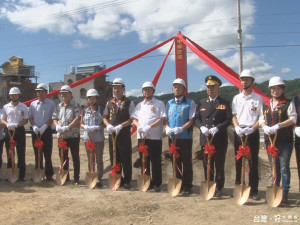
x,y
11,135
272,142
209,141
244,142
114,141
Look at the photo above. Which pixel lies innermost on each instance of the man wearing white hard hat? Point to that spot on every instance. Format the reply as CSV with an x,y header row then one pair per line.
x,y
40,117
180,119
92,123
247,107
15,116
148,117
117,119
66,118
279,117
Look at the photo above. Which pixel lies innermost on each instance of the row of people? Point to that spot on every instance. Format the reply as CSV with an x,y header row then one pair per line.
x,y
213,115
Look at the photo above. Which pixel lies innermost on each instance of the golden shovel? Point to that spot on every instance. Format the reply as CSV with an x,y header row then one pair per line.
x,y
174,184
114,179
61,174
91,177
274,193
241,191
208,187
13,172
143,179
38,174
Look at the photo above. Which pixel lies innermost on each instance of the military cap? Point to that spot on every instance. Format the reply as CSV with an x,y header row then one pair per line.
x,y
212,80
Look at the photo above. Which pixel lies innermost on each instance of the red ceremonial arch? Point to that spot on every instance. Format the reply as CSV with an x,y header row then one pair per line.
x,y
207,57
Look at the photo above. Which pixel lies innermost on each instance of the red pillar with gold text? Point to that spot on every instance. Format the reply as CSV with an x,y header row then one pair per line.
x,y
180,61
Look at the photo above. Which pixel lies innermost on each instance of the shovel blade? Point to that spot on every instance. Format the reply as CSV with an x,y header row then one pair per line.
x,y
174,186
241,194
207,189
91,179
37,175
143,182
61,177
13,174
274,196
114,182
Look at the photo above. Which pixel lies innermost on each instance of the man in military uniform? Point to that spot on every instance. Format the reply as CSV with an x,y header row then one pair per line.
x,y
213,116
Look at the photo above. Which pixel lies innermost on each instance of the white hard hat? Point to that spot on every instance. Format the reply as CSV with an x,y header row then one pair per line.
x,y
148,84
92,92
179,81
41,87
65,88
14,91
118,81
247,73
274,81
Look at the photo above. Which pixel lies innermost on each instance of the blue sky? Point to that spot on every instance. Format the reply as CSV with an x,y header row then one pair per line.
x,y
54,35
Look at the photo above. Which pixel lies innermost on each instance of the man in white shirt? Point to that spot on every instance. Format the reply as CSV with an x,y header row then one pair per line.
x,y
148,117
246,109
14,117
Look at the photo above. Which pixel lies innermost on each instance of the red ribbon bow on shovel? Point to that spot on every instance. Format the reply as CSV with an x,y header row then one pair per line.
x,y
90,146
209,149
62,144
273,150
12,145
174,150
244,151
143,149
115,168
39,144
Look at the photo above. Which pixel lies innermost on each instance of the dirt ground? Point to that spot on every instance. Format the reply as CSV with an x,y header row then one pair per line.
x,y
48,203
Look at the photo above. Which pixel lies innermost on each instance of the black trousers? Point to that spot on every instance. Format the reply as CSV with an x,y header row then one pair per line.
x,y
217,163
154,159
73,144
123,155
20,138
47,151
297,151
5,141
184,162
253,143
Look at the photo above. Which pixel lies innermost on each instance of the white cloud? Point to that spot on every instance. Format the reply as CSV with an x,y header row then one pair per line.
x,y
286,70
134,92
78,44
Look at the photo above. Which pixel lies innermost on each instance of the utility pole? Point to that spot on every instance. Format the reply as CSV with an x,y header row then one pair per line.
x,y
239,31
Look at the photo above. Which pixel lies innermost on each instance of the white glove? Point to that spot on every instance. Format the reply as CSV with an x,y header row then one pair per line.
x,y
12,126
110,128
65,128
239,131
140,129
169,131
36,129
248,130
118,128
43,128
297,131
177,130
213,131
86,128
267,130
204,130
93,128
146,129
58,129
274,128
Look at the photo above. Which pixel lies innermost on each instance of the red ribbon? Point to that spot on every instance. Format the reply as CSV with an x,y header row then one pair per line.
x,y
209,149
273,150
244,151
115,168
12,145
143,149
39,144
174,150
90,146
62,144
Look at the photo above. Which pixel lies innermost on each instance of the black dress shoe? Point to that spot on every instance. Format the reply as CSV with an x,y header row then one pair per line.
x,y
156,188
218,193
187,192
284,200
76,182
99,185
127,186
255,197
22,179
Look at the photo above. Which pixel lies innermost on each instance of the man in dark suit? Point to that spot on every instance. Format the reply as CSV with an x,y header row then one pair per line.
x,y
213,116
